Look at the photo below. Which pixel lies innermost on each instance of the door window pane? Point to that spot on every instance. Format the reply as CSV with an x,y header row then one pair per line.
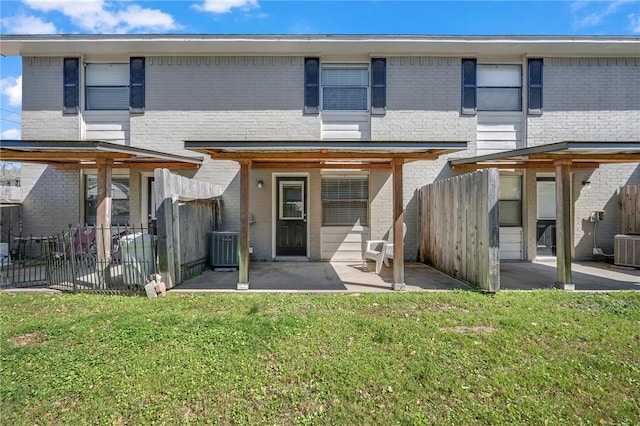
x,y
291,200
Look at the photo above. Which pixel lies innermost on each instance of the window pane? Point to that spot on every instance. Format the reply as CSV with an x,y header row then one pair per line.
x,y
345,200
119,200
107,98
345,77
546,200
510,213
344,213
499,76
510,188
107,75
344,99
494,99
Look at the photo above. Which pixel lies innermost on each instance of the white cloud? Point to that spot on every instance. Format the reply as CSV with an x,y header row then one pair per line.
x,y
23,24
224,6
592,13
10,134
99,16
12,88
635,23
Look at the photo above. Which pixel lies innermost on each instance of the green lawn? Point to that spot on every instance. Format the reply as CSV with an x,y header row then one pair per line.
x,y
546,357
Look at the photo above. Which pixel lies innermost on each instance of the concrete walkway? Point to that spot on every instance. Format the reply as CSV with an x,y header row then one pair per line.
x,y
587,276
328,277
314,277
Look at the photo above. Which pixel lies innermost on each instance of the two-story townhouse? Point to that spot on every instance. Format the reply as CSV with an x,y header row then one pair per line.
x,y
319,126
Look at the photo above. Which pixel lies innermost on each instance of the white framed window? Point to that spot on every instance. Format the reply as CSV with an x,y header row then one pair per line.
x,y
107,86
510,201
499,88
345,87
345,200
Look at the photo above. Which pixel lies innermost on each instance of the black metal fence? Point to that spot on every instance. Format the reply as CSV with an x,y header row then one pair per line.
x,y
79,259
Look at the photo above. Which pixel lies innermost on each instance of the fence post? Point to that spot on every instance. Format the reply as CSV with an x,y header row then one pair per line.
x,y
164,217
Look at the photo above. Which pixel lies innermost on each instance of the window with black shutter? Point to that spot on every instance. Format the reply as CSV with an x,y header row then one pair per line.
x,y
378,86
136,85
71,73
311,85
469,89
535,86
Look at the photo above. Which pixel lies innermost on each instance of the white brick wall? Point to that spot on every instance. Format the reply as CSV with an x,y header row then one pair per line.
x,y
42,116
586,99
423,102
222,98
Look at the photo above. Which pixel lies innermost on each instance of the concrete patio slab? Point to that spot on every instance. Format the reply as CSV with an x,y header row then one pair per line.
x,y
321,277
587,276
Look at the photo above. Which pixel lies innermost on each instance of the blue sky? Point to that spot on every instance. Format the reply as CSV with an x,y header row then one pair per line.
x,y
582,17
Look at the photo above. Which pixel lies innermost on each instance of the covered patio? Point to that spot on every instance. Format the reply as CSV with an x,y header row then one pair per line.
x,y
99,155
349,277
336,155
563,158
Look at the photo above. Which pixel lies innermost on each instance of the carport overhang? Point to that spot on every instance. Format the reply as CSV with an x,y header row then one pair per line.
x,y
103,156
358,155
563,157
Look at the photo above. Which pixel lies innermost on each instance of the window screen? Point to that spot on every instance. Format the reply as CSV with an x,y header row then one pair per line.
x,y
107,86
345,88
345,200
499,88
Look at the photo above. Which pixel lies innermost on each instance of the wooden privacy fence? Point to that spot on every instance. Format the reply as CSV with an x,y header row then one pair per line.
x,y
458,227
187,213
630,209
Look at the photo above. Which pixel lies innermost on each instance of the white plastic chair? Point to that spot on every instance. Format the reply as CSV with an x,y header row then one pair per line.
x,y
384,253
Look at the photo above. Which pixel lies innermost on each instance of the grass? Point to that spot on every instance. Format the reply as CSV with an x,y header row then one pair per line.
x,y
546,357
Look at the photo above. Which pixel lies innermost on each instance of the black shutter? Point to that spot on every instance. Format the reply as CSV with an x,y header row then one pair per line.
x,y
311,85
469,82
136,85
71,77
535,86
378,86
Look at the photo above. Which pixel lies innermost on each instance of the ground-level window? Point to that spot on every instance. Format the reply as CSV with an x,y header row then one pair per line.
x,y
345,200
119,199
511,201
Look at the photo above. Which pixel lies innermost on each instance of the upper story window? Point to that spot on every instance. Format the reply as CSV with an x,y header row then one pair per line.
x,y
499,88
107,86
345,87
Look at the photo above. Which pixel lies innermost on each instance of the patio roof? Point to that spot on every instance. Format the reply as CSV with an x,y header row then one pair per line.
x,y
85,154
581,154
324,154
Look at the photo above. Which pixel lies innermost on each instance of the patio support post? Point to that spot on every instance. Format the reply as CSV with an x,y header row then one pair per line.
x,y
398,226
564,240
243,243
103,216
